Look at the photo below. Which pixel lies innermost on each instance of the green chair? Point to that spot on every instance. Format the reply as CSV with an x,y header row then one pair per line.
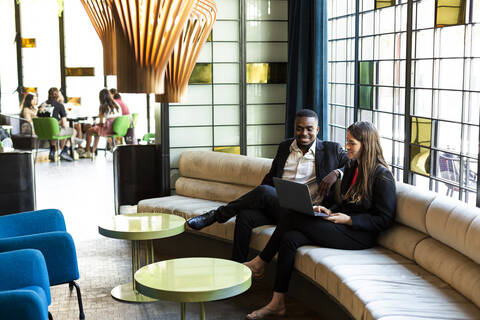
x,y
134,120
149,138
119,128
48,129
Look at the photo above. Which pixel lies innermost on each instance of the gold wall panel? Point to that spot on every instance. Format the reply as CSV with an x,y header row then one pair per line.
x,y
30,89
80,72
29,43
201,74
269,72
76,101
384,3
233,150
449,12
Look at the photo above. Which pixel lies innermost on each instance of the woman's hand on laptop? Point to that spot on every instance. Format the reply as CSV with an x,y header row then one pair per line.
x,y
322,209
340,218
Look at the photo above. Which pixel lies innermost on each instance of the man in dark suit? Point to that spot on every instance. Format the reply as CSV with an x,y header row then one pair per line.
x,y
303,159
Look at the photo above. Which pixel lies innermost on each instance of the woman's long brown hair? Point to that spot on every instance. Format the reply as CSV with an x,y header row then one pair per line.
x,y
371,156
27,101
107,104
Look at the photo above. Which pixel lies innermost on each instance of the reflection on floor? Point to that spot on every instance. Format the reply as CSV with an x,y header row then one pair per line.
x,y
83,190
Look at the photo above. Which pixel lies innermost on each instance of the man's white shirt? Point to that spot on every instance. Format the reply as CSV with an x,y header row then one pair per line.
x,y
300,168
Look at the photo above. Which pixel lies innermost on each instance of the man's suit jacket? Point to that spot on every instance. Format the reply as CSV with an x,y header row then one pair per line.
x,y
328,157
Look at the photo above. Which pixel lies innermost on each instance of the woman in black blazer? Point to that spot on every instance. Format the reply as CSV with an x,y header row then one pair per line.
x,y
367,208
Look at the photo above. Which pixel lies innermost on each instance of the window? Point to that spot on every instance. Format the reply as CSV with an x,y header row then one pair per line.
x,y
442,114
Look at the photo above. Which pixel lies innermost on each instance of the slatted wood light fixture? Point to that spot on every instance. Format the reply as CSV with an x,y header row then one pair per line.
x,y
186,51
102,19
146,33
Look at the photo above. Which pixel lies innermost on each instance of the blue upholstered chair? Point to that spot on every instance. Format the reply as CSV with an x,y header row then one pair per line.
x,y
24,286
44,230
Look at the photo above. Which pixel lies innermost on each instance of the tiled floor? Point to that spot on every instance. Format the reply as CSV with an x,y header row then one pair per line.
x,y
83,190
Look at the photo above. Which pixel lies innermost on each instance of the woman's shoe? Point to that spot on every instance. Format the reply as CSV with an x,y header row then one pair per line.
x,y
265,313
88,155
81,152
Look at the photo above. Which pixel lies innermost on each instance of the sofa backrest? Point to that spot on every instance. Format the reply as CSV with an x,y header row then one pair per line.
x,y
219,176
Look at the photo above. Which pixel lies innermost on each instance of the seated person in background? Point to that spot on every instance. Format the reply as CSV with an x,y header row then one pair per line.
x,y
28,112
107,112
130,136
55,100
304,159
118,99
367,208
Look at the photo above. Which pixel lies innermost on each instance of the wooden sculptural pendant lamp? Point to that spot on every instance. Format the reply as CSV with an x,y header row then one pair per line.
x,y
101,17
186,51
146,33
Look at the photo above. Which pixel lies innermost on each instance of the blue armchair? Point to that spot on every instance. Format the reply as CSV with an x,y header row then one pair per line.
x,y
24,286
44,230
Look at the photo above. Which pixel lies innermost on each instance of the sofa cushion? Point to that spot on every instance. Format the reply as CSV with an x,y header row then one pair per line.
x,y
412,205
456,225
401,239
451,266
224,167
209,190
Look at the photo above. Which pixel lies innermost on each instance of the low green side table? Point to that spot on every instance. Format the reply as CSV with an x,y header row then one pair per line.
x,y
193,280
140,228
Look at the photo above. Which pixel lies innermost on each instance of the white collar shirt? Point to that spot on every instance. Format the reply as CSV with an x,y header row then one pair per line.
x,y
300,168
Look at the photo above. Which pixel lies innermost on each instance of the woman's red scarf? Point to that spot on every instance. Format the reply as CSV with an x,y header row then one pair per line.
x,y
355,175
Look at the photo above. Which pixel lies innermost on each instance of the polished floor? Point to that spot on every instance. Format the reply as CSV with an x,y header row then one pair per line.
x,y
83,190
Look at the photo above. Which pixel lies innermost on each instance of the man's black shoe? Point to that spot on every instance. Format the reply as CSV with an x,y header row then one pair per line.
x,y
202,221
65,156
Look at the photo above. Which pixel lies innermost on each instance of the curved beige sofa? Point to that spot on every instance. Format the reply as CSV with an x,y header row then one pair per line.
x,y
425,267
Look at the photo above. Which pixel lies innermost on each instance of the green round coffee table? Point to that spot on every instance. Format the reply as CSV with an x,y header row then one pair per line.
x,y
193,280
140,228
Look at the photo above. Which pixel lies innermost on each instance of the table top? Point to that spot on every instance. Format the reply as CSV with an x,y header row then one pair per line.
x,y
193,279
142,226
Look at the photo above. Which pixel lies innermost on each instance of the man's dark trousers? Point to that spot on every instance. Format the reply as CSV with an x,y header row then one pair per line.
x,y
255,208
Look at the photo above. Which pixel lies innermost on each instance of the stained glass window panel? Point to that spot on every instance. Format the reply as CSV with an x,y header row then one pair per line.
x,y
449,12
421,131
420,160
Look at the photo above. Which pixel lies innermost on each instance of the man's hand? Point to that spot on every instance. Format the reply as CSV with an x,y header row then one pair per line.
x,y
327,183
339,217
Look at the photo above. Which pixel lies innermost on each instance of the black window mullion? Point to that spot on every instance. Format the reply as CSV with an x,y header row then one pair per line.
x,y
407,175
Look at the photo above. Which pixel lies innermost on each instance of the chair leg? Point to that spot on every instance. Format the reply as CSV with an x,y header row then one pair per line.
x,y
79,297
50,317
106,147
36,153
57,154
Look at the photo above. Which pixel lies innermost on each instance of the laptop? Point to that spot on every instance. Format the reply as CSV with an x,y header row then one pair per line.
x,y
295,196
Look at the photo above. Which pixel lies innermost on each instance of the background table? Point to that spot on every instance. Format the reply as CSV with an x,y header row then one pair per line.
x,y
193,280
140,227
